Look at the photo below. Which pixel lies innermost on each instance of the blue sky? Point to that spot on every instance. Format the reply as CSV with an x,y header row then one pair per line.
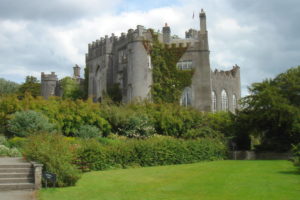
x,y
261,36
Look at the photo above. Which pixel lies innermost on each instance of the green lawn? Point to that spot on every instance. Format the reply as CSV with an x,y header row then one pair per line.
x,y
218,180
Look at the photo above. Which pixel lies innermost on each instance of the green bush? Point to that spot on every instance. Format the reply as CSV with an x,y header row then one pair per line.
x,y
7,152
88,131
203,132
3,141
25,123
156,150
4,150
128,122
296,155
17,142
66,115
57,155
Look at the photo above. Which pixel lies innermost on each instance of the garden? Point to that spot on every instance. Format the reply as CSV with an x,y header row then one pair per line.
x,y
158,150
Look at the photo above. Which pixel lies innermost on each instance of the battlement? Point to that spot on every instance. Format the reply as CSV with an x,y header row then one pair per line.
x,y
49,77
102,42
230,74
107,44
180,45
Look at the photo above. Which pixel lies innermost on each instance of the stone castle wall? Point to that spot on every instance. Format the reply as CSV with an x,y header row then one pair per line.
x,y
126,61
228,81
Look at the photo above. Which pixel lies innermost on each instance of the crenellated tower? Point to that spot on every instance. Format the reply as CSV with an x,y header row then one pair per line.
x,y
49,85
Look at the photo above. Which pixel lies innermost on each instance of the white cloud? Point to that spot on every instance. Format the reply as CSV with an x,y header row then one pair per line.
x,y
55,36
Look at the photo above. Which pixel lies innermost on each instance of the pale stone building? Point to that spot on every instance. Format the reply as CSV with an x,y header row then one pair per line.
x,y
125,61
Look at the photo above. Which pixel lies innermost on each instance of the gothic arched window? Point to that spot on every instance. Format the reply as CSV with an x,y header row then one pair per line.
x,y
186,98
214,101
234,102
224,102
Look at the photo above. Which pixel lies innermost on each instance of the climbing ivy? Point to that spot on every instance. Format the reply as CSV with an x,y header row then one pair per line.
x,y
168,80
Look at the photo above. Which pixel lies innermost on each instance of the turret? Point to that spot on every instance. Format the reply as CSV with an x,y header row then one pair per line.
x,y
48,84
202,16
76,69
166,33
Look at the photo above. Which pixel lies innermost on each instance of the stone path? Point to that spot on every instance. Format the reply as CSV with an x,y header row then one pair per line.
x,y
18,195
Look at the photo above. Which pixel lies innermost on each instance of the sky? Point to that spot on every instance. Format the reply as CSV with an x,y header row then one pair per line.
x,y
261,36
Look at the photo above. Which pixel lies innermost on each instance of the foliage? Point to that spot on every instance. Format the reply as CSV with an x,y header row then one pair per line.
x,y
217,180
86,83
17,142
168,80
115,93
31,86
66,115
88,131
157,150
56,154
166,119
3,141
133,120
128,122
272,111
71,88
296,155
28,122
5,150
8,87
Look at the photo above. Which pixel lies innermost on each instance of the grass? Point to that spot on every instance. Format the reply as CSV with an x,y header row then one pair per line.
x,y
218,180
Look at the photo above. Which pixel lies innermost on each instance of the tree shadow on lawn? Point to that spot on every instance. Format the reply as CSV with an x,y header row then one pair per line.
x,y
294,172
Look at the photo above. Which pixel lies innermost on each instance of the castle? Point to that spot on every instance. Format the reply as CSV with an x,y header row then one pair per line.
x,y
125,61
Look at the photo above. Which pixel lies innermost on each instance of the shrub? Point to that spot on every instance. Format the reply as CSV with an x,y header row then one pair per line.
x,y
91,156
57,155
88,131
66,115
17,142
204,132
156,150
128,122
296,155
6,151
3,141
28,122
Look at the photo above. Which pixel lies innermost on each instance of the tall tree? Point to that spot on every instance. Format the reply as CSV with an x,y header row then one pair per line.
x,y
71,88
31,86
272,111
8,87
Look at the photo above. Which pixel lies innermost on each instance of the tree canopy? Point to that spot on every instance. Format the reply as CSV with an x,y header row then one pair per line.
x,y
31,86
272,111
8,87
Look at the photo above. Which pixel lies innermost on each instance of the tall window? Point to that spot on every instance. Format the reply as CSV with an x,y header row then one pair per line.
x,y
234,103
214,101
224,103
149,62
186,98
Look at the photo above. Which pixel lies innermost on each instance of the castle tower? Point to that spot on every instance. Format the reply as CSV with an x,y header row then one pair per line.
x,y
166,34
49,83
201,81
76,74
202,22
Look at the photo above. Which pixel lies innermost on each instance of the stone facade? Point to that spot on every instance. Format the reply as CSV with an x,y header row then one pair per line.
x,y
51,86
125,61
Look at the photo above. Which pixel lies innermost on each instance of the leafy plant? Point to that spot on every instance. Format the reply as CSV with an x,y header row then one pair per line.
x,y
88,131
56,154
168,80
25,123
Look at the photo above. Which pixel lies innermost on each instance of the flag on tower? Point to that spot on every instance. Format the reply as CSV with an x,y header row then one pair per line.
x,y
193,15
